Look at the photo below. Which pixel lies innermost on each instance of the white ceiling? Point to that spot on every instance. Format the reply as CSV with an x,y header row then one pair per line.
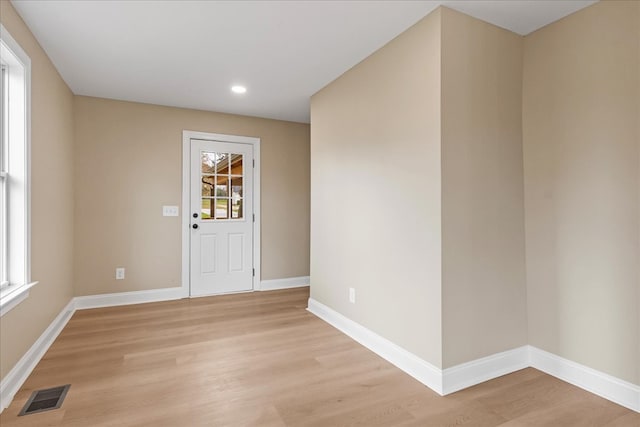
x,y
189,53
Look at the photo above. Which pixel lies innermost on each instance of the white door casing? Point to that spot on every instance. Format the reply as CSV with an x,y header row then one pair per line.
x,y
218,209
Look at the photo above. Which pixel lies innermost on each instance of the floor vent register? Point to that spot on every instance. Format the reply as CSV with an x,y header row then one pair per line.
x,y
45,400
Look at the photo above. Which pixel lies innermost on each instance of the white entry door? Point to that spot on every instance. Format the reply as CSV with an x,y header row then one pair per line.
x,y
221,217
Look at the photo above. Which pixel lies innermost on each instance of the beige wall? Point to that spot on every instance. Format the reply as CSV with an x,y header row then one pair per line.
x,y
433,117
128,164
483,261
375,191
581,136
51,200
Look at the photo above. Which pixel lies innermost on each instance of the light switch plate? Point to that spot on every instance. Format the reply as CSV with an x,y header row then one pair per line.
x,y
170,211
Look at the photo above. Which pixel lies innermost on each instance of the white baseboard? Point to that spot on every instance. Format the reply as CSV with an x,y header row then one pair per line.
x,y
290,282
416,367
126,298
441,381
478,371
611,388
487,368
12,382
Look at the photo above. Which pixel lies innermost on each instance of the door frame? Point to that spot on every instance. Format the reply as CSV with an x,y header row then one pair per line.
x,y
187,136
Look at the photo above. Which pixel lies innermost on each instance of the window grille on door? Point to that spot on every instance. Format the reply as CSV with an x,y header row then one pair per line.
x,y
221,177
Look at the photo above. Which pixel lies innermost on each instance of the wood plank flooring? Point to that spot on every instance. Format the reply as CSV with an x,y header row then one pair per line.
x,y
261,359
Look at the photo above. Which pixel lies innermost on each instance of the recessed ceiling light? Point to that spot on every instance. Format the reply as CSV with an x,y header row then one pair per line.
x,y
238,89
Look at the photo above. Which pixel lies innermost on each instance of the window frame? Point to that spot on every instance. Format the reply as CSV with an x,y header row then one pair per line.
x,y
16,128
4,282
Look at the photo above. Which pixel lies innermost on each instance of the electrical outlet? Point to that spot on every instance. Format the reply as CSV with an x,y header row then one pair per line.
x,y
170,211
352,295
120,273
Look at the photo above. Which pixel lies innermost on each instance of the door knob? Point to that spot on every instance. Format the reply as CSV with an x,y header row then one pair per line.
x,y
194,226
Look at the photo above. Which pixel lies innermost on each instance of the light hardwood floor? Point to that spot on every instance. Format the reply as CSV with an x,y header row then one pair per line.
x,y
260,359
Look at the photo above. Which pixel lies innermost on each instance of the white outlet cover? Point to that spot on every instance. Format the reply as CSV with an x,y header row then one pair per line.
x,y
120,273
352,295
170,211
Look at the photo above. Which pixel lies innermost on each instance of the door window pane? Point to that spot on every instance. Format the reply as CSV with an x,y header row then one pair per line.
x,y
236,164
222,167
222,206
208,183
222,186
236,197
236,187
205,211
236,208
209,162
